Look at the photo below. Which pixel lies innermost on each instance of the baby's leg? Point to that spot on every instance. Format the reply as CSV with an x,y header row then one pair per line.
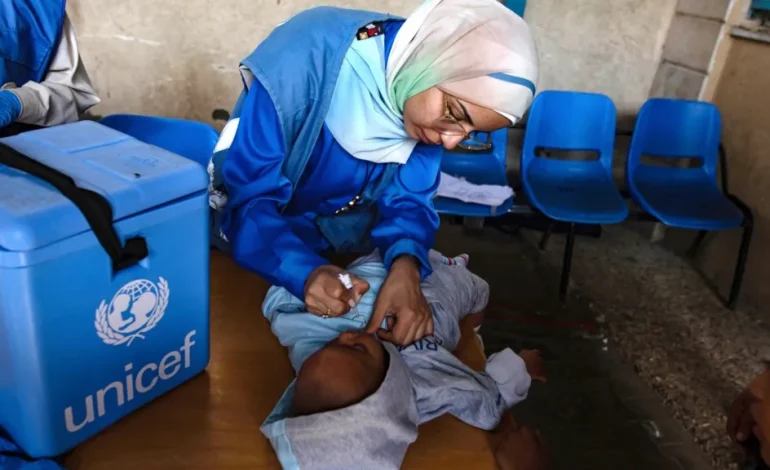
x,y
476,319
460,260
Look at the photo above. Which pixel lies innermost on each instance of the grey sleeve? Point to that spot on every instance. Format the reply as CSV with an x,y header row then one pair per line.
x,y
65,91
443,384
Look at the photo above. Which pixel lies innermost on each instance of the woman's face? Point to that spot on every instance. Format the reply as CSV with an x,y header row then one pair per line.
x,y
423,114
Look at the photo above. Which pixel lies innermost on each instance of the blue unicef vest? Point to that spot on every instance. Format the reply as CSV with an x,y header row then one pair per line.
x,y
298,65
30,31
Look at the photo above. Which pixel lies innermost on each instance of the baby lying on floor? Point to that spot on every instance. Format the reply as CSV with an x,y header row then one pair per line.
x,y
356,402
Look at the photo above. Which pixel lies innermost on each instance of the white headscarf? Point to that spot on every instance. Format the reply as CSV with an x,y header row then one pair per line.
x,y
476,50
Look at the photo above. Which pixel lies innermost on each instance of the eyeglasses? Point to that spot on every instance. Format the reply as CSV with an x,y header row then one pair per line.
x,y
450,126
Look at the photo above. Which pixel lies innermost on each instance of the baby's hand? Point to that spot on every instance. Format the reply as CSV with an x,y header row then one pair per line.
x,y
534,363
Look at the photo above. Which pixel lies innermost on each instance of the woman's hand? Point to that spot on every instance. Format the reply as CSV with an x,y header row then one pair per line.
x,y
326,295
401,297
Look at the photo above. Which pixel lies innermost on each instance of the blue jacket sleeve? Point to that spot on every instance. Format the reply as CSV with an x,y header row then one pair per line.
x,y
408,222
261,239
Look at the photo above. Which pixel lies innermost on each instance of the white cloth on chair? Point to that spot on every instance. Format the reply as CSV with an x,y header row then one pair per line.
x,y
485,194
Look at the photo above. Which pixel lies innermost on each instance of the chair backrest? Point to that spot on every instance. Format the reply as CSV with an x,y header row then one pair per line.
x,y
190,139
569,120
484,167
676,129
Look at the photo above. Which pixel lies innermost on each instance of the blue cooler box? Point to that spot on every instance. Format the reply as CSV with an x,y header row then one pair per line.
x,y
104,280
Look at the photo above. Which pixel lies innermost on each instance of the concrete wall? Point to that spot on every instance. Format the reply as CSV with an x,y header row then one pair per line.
x,y
612,47
179,57
742,97
705,57
696,30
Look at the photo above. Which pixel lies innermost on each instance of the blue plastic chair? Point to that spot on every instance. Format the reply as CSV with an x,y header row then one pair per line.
x,y
672,129
568,190
478,167
191,139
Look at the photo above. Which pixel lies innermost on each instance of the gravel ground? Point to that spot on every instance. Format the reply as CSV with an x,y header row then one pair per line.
x,y
696,354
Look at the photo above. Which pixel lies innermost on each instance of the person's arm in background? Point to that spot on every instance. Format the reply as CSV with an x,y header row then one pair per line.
x,y
405,232
522,448
64,93
748,421
261,239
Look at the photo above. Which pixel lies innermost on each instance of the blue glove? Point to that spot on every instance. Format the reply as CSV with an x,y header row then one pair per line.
x,y
10,108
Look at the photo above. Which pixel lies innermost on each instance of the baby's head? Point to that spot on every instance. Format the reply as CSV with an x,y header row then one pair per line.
x,y
341,374
355,386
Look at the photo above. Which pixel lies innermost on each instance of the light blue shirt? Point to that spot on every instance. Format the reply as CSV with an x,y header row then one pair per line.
x,y
441,383
304,333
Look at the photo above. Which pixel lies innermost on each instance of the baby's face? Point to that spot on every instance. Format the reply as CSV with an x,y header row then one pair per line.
x,y
344,372
358,347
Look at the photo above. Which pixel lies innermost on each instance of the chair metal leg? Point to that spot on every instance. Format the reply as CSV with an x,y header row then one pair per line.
x,y
473,225
546,236
567,263
740,266
696,244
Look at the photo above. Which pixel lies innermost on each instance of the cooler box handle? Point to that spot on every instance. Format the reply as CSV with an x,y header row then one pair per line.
x,y
95,208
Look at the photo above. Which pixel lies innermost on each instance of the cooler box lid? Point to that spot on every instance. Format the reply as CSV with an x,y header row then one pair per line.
x,y
133,176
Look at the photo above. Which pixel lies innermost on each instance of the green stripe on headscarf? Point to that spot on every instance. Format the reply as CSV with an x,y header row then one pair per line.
x,y
410,81
447,43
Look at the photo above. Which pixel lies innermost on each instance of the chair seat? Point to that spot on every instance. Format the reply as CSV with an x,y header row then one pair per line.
x,y
445,205
684,198
586,197
477,168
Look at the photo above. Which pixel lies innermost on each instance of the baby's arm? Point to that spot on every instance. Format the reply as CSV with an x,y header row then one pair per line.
x,y
443,384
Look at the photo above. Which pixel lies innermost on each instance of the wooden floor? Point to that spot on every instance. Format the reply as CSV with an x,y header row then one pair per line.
x,y
212,422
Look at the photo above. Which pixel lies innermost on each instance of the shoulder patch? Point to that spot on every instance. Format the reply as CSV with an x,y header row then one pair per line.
x,y
370,31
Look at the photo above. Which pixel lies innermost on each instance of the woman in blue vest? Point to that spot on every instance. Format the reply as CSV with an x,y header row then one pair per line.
x,y
42,80
337,138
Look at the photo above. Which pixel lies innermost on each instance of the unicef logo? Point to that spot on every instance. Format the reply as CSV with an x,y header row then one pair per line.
x,y
136,308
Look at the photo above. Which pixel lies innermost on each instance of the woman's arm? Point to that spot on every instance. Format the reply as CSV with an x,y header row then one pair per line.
x,y
404,234
261,239
65,91
408,222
